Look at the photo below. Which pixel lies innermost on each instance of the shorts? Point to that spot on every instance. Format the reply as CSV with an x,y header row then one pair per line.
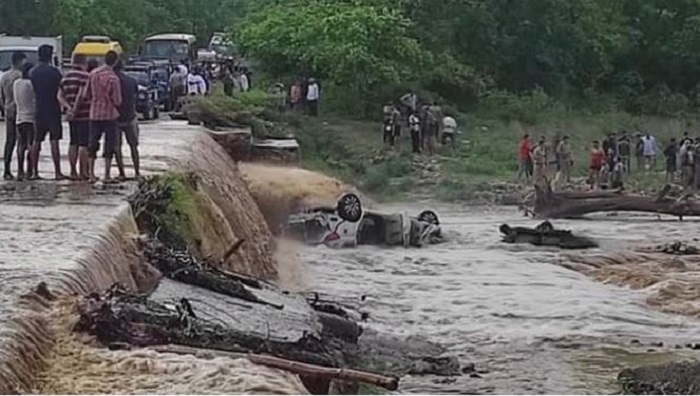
x,y
25,134
109,130
47,125
79,133
131,131
595,168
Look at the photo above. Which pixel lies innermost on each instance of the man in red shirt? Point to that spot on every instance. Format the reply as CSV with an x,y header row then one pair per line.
x,y
78,116
524,158
595,165
103,92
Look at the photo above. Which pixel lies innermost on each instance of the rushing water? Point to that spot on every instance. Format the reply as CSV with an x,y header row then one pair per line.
x,y
528,324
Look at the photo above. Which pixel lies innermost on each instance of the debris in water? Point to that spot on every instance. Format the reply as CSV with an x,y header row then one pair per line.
x,y
545,235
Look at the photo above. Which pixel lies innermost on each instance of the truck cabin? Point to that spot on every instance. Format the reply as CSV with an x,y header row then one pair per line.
x,y
172,47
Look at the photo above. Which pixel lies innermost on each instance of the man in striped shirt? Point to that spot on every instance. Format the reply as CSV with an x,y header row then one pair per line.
x,y
78,116
103,92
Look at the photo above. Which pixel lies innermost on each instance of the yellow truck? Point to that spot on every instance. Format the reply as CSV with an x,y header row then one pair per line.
x,y
96,47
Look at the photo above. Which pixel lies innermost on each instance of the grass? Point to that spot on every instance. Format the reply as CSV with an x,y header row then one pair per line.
x,y
353,151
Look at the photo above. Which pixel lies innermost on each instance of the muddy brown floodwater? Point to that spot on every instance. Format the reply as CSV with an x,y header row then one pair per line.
x,y
532,320
527,323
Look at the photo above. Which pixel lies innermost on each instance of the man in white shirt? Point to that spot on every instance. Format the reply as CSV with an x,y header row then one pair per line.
x,y
414,124
650,150
449,130
196,84
245,83
313,95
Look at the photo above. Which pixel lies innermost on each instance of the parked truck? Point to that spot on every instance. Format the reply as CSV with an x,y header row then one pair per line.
x,y
30,46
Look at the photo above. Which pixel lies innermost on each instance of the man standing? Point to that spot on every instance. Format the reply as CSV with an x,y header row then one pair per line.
x,y
449,131
196,85
245,80
78,116
25,99
687,154
177,87
650,150
410,101
564,158
46,80
539,159
7,101
524,158
313,95
595,165
103,92
639,151
671,161
414,124
128,121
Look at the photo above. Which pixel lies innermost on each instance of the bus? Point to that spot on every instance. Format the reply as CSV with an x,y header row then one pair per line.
x,y
173,47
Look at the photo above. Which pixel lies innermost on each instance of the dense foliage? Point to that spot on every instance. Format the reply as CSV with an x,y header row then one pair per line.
x,y
640,55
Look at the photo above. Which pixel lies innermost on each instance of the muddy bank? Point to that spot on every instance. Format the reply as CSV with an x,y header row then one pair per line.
x,y
79,239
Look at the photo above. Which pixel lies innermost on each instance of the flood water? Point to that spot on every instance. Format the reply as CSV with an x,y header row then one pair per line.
x,y
528,324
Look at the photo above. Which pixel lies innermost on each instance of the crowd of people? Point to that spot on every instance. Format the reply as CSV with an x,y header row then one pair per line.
x,y
428,125
99,102
609,160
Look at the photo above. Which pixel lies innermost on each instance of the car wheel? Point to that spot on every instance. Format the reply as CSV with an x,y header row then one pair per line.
x,y
349,208
146,115
430,217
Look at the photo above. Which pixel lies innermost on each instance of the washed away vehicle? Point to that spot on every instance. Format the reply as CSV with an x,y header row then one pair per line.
x,y
147,98
348,224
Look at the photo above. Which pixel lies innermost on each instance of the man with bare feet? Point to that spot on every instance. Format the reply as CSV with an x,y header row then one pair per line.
x,y
128,121
103,92
78,116
46,80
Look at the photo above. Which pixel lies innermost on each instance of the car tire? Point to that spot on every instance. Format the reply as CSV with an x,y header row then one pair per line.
x,y
146,115
430,217
349,208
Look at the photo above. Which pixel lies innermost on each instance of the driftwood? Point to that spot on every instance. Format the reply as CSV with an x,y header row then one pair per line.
x,y
553,205
390,383
545,235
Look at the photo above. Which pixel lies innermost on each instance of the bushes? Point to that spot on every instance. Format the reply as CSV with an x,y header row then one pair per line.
x,y
255,109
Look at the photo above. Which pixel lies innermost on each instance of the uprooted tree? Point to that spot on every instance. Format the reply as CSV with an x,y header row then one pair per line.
x,y
553,205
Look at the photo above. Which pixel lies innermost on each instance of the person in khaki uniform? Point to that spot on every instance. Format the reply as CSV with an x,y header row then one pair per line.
x,y
565,161
539,159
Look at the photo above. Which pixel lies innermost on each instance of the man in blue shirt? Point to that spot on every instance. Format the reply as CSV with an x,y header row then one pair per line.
x,y
46,80
128,121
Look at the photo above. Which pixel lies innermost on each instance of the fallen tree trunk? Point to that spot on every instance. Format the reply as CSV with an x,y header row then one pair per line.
x,y
551,205
390,383
136,320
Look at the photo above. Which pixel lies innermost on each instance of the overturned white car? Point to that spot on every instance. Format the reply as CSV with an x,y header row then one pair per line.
x,y
349,225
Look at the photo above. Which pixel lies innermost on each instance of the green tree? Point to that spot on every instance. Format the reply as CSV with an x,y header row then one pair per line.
x,y
354,45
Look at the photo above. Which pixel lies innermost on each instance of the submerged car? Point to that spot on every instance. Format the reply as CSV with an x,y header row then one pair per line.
x,y
348,224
